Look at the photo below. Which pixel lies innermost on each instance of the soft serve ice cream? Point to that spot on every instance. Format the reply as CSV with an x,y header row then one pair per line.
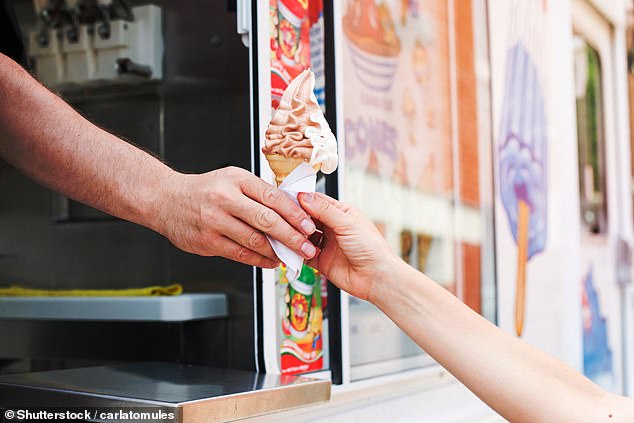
x,y
298,132
298,143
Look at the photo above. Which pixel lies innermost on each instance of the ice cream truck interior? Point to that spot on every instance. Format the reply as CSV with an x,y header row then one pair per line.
x,y
488,140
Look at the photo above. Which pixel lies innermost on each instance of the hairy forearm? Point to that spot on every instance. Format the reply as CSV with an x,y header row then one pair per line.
x,y
520,382
50,142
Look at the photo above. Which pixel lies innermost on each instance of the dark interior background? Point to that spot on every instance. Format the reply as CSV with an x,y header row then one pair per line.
x,y
196,119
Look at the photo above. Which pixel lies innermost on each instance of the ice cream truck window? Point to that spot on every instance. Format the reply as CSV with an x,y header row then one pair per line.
x,y
590,137
413,111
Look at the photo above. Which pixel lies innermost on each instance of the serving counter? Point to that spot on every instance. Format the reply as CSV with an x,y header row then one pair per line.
x,y
191,393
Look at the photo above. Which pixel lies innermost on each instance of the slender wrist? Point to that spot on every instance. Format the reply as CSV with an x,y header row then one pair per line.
x,y
394,272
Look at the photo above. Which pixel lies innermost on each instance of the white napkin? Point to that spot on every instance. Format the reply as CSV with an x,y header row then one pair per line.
x,y
302,179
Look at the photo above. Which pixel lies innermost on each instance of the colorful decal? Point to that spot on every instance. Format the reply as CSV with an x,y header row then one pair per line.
x,y
399,82
397,108
597,354
297,43
301,315
374,45
523,149
522,160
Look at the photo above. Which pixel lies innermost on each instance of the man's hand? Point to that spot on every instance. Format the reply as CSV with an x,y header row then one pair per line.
x,y
223,213
226,213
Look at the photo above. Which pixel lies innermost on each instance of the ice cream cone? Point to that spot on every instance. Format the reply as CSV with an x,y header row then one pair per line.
x,y
283,166
298,131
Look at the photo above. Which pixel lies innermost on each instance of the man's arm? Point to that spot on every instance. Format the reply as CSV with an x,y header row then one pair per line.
x,y
224,212
520,382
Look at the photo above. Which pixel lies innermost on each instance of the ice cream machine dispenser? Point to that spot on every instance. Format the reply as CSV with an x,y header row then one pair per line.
x,y
83,41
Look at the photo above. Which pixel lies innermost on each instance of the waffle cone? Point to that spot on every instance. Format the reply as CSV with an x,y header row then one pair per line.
x,y
283,166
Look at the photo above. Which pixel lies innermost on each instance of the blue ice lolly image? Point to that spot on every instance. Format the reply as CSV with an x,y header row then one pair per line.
x,y
522,162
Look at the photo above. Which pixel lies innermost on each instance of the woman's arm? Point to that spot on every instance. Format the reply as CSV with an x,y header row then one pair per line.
x,y
225,212
520,382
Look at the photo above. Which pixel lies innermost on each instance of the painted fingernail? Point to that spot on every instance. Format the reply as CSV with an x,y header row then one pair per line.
x,y
308,249
307,226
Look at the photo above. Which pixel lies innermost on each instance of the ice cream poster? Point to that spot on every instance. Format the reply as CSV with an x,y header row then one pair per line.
x,y
521,144
301,313
296,44
397,92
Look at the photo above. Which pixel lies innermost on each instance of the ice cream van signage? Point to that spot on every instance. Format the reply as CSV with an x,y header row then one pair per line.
x,y
522,155
373,43
367,134
302,314
296,41
597,354
397,99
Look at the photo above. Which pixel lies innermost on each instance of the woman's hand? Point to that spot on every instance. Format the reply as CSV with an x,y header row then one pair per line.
x,y
518,381
353,254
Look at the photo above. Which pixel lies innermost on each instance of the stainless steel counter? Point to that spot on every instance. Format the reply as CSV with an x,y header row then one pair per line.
x,y
194,394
